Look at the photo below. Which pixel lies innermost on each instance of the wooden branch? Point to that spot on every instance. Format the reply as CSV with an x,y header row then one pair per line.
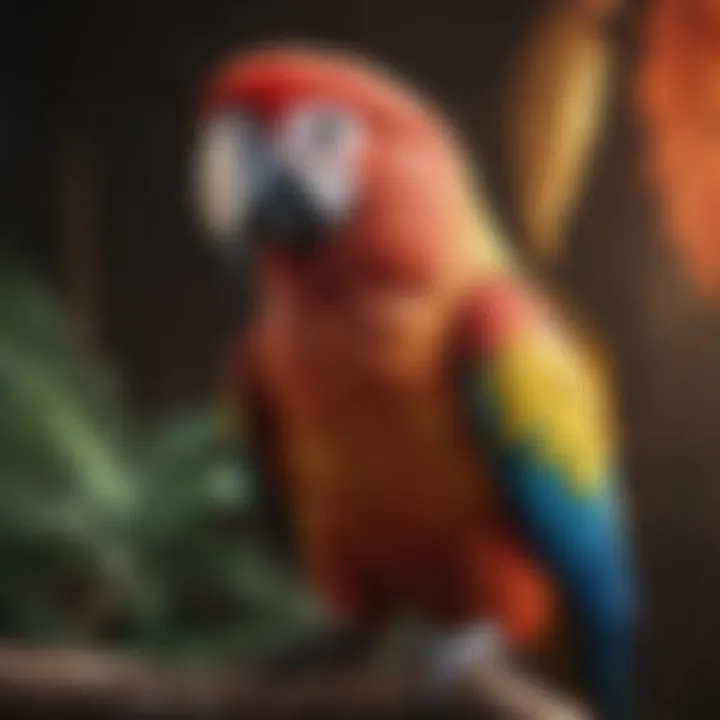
x,y
508,694
44,683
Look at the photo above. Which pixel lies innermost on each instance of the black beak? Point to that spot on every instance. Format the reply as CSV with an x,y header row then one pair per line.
x,y
284,215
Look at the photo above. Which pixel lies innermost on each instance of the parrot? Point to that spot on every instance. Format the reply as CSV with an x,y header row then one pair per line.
x,y
425,432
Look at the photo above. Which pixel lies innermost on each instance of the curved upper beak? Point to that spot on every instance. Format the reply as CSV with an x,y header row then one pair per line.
x,y
284,214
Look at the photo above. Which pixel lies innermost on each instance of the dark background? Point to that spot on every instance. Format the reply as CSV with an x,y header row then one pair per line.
x,y
114,83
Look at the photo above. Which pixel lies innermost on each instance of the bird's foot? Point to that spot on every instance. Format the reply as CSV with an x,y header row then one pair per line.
x,y
451,654
472,665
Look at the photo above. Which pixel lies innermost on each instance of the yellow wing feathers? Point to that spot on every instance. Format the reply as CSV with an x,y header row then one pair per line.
x,y
551,396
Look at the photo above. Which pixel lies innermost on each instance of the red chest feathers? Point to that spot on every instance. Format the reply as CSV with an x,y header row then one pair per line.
x,y
389,496
381,475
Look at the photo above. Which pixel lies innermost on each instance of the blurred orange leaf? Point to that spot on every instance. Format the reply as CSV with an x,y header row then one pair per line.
x,y
678,94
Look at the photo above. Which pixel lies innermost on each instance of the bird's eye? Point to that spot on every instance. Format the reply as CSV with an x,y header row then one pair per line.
x,y
324,134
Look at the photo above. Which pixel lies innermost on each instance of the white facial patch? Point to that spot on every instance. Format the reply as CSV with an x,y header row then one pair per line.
x,y
321,143
219,177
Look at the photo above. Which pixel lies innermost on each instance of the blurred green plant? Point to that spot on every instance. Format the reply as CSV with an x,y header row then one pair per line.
x,y
112,533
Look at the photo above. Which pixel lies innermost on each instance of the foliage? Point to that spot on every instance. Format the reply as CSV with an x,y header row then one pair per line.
x,y
106,535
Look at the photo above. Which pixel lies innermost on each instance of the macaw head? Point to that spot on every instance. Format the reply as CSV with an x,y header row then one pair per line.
x,y
329,168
